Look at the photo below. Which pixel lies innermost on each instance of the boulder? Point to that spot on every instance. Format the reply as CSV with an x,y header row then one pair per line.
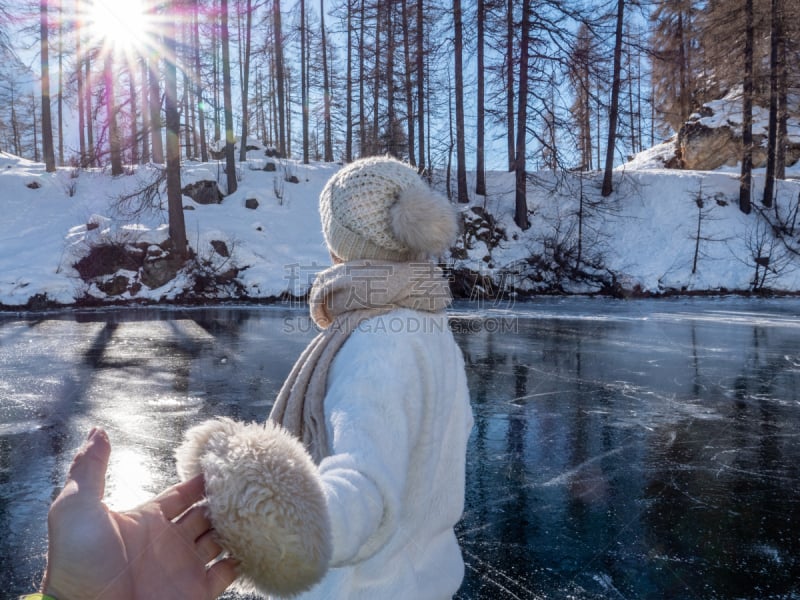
x,y
204,192
705,148
114,286
157,271
220,248
107,259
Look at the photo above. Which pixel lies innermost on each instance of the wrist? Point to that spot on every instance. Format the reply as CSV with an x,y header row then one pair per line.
x,y
47,591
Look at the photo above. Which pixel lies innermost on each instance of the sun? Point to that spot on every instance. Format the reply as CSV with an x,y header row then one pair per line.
x,y
122,25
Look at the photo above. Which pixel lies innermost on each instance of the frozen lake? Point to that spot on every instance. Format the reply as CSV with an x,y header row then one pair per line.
x,y
646,449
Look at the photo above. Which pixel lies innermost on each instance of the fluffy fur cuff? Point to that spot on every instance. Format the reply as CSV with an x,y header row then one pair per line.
x,y
265,502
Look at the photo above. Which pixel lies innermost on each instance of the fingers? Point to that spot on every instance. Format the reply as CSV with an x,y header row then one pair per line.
x,y
88,470
177,499
194,523
220,576
207,548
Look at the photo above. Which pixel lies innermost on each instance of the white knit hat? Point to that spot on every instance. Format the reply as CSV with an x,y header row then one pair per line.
x,y
379,208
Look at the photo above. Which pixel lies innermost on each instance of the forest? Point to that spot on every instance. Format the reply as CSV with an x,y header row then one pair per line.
x,y
522,85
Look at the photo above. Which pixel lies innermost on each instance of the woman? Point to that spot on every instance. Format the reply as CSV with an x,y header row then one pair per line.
x,y
353,487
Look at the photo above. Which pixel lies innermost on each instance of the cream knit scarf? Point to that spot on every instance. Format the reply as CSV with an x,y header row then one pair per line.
x,y
341,298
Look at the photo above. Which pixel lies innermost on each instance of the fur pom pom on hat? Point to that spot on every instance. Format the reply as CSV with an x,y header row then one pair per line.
x,y
265,502
379,208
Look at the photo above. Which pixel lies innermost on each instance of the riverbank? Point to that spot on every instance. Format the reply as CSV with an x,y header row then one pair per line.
x,y
80,238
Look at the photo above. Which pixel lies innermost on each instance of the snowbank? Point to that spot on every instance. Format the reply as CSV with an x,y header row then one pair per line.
x,y
643,238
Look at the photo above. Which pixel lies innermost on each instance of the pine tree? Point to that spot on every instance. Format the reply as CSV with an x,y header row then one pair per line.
x,y
280,77
114,142
461,158
245,82
613,110
745,182
177,226
230,140
581,60
773,134
480,108
674,79
47,122
521,195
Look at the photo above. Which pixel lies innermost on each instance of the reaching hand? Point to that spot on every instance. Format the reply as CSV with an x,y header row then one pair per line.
x,y
159,550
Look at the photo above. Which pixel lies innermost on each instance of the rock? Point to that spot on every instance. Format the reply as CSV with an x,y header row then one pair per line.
x,y
107,259
204,192
34,185
270,166
292,179
220,248
706,148
115,286
156,272
251,203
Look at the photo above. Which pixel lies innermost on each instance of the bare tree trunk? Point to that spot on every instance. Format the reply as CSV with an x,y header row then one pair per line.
x,y
185,112
373,143
348,135
134,139
230,158
80,82
177,226
480,168
201,106
745,182
114,142
613,111
273,101
280,77
521,179
145,113
304,80
326,89
412,159
92,159
156,142
449,170
35,129
246,80
391,113
421,83
60,102
215,77
461,158
509,60
772,136
684,75
47,122
783,113
362,116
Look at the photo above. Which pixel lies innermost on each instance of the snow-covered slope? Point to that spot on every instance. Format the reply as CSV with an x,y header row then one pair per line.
x,y
643,237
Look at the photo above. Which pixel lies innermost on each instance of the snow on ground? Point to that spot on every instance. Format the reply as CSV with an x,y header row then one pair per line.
x,y
645,234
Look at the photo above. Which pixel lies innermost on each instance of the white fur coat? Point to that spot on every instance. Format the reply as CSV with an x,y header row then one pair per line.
x,y
398,418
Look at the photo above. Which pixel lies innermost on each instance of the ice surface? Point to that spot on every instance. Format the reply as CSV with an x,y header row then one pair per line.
x,y
620,449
